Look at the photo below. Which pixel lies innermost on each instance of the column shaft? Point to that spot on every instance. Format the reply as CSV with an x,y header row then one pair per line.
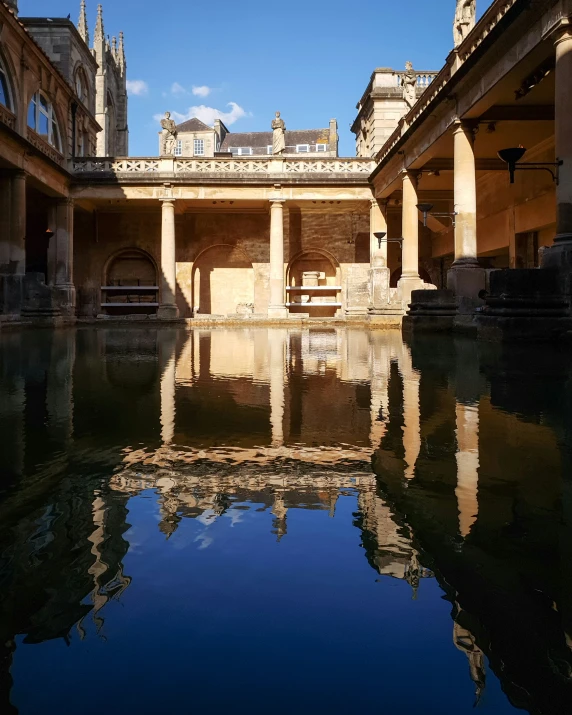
x,y
563,134
168,308
18,220
5,223
60,256
378,224
466,279
12,244
410,227
465,182
276,306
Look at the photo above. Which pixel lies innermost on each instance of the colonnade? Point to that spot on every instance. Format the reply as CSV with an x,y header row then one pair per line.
x,y
13,234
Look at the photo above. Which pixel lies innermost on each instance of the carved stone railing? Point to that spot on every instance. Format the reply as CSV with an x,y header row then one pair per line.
x,y
483,28
7,118
424,79
41,145
231,167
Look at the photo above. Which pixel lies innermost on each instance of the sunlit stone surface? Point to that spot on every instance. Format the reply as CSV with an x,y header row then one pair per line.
x,y
319,521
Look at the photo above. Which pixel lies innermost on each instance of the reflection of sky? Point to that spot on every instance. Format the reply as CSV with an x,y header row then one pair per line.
x,y
252,625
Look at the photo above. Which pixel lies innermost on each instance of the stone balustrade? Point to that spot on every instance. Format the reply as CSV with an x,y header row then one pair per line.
x,y
424,79
220,167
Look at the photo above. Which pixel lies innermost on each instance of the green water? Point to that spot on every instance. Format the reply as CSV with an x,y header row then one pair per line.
x,y
275,521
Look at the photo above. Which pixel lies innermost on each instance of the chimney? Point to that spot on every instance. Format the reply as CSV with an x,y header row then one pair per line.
x,y
334,136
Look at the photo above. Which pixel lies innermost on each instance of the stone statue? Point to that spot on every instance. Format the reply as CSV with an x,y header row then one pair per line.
x,y
168,135
279,136
465,19
409,84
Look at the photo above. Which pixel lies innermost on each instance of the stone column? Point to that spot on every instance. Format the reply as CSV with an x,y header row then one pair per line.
x,y
465,278
276,307
168,308
379,273
12,243
410,279
467,466
563,134
60,257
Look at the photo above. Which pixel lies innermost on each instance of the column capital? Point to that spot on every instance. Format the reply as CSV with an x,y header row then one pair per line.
x,y
562,32
467,126
168,200
66,201
277,201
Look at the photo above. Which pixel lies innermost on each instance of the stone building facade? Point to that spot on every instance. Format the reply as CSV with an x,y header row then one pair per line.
x,y
196,139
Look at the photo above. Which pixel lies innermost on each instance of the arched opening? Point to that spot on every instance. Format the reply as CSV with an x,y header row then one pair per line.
x,y
110,126
314,284
130,284
81,86
223,281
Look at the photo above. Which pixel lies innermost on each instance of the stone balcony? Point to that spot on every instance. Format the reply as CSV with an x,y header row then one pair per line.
x,y
151,170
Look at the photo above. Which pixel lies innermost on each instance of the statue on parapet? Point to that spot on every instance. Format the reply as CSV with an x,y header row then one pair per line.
x,y
278,136
409,84
465,19
168,135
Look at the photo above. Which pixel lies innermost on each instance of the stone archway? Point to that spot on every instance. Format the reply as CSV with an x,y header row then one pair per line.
x,y
223,281
130,283
317,261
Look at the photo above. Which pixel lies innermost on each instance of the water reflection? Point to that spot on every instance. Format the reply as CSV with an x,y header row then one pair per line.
x,y
128,455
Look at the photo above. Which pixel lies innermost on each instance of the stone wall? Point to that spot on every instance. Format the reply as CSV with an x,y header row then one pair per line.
x,y
231,248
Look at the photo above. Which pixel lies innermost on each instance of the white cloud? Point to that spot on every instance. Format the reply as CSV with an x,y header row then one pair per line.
x,y
137,87
177,88
209,114
202,91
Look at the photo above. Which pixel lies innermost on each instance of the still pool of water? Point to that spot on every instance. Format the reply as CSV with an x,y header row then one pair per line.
x,y
283,521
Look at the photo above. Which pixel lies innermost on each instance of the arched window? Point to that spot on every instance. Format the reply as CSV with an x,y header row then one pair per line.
x,y
81,87
5,96
42,119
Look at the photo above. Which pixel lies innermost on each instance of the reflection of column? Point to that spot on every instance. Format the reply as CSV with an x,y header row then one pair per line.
x,y
167,366
465,641
59,390
276,306
563,133
276,346
465,278
380,365
411,413
467,466
410,279
168,309
12,407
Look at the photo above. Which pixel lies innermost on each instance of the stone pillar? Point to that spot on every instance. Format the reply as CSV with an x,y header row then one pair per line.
x,y
12,243
563,134
18,220
276,359
60,257
276,307
168,308
410,279
467,466
379,273
465,278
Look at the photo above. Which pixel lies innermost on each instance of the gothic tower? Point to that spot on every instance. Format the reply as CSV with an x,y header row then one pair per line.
x,y
110,87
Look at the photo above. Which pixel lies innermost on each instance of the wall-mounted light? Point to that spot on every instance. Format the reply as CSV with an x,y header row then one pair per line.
x,y
49,234
426,211
513,156
381,238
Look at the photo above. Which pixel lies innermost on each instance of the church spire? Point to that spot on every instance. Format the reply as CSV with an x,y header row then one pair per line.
x,y
121,53
99,35
82,24
114,47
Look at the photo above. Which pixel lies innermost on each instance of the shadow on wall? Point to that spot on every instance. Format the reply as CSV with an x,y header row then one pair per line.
x,y
223,281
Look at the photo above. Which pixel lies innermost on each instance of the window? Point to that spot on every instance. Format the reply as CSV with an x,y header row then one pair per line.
x,y
42,119
241,150
321,147
81,86
269,149
179,148
5,98
199,147
81,143
302,148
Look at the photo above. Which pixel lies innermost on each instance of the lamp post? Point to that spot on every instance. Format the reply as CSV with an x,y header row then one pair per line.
x,y
426,211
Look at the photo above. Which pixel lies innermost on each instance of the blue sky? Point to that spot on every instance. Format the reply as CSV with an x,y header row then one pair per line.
x,y
311,61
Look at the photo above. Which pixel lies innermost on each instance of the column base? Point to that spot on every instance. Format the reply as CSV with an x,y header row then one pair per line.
x,y
64,299
406,286
167,312
466,280
277,311
11,295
